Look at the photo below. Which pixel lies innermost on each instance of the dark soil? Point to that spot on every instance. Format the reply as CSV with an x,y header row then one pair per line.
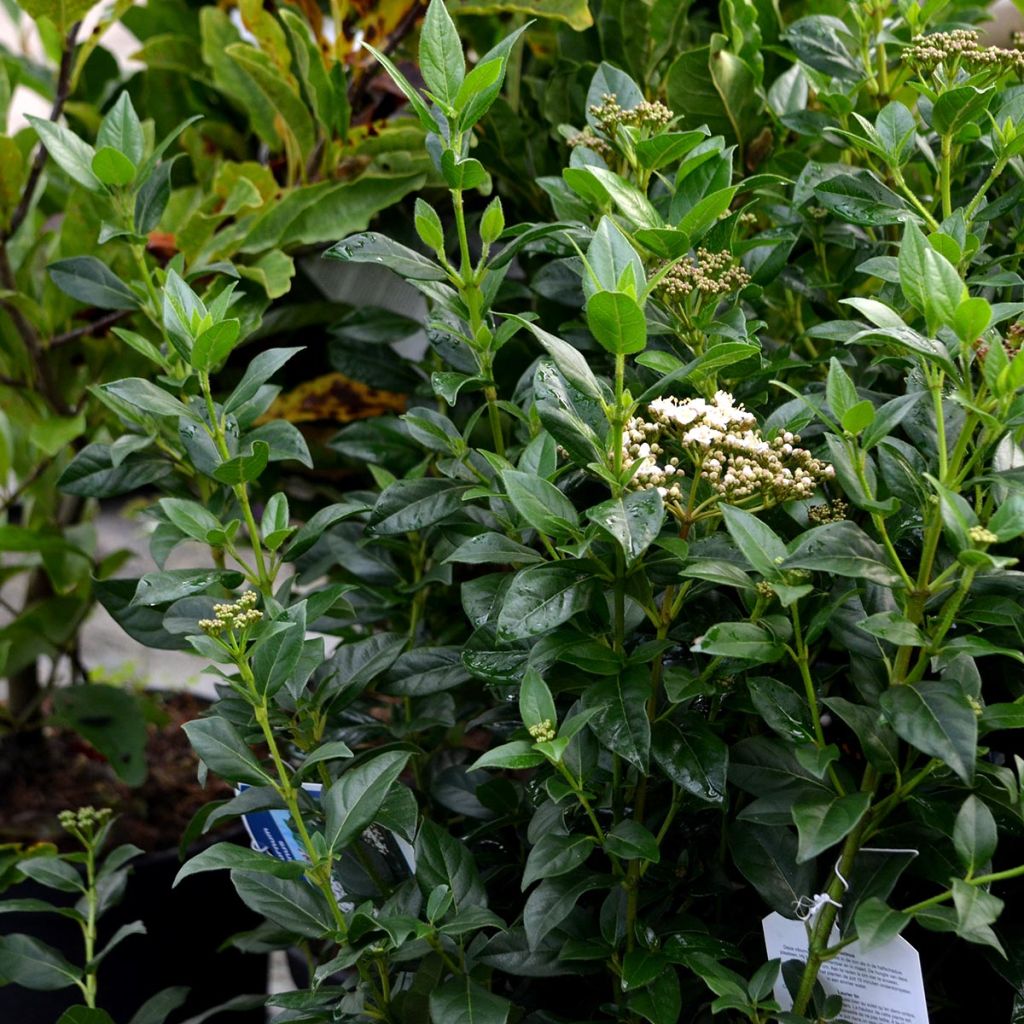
x,y
46,774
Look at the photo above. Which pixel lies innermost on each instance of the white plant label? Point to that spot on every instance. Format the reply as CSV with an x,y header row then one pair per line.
x,y
882,986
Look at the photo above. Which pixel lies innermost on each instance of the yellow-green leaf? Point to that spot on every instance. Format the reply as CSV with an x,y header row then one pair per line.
x,y
63,13
575,13
12,177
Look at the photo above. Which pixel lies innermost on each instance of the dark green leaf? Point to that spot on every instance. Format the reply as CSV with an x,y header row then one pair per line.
x,y
619,719
87,279
693,757
26,961
823,822
542,597
555,855
352,802
937,719
461,1000
224,751
291,904
629,840
442,860
552,902
227,855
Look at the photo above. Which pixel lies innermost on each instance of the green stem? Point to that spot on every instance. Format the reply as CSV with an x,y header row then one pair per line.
x,y
320,871
803,661
973,205
997,876
946,173
883,64
822,928
945,623
919,595
584,802
902,185
858,459
935,387
90,925
469,286
264,579
139,253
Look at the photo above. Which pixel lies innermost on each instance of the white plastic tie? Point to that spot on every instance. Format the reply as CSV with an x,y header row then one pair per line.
x,y
809,907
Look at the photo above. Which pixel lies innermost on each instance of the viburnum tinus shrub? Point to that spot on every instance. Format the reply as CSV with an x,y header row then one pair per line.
x,y
745,639
649,627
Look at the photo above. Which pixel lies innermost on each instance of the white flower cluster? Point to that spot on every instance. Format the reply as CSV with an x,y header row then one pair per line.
x,y
724,443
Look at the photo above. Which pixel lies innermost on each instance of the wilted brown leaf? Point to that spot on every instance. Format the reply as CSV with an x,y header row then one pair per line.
x,y
336,398
378,19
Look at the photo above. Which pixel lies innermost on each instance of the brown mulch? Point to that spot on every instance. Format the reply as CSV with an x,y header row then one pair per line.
x,y
64,772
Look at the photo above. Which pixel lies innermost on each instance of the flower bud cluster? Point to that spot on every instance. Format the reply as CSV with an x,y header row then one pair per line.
x,y
830,512
964,46
591,140
712,273
724,443
544,731
239,615
982,535
609,115
86,820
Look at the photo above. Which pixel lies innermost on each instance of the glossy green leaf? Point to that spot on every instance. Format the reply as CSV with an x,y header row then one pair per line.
x,y
974,835
823,822
410,505
693,757
68,151
227,855
877,924
617,322
629,840
758,543
619,715
633,521
541,504
936,718
463,1001
224,751
351,803
292,904
542,597
554,855
442,860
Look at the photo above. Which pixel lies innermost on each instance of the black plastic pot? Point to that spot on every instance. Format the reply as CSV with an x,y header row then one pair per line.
x,y
185,928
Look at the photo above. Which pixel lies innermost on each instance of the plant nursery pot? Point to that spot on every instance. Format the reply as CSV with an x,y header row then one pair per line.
x,y
185,928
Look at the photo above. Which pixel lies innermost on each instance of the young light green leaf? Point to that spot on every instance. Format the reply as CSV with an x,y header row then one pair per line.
x,y
441,61
69,152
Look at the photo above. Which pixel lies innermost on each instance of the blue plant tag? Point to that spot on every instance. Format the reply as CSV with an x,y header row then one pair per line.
x,y
271,832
